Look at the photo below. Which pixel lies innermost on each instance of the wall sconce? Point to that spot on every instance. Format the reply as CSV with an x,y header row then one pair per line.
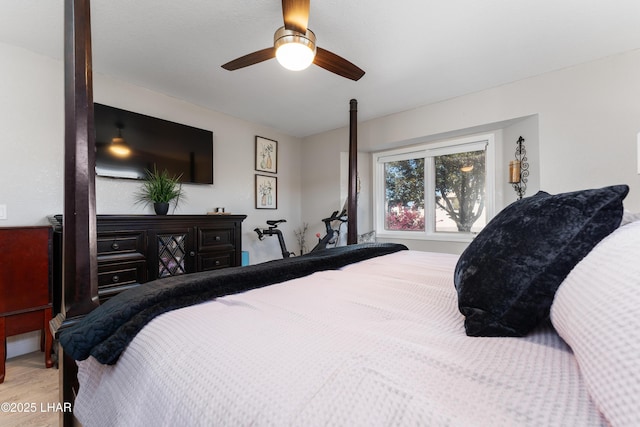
x,y
519,169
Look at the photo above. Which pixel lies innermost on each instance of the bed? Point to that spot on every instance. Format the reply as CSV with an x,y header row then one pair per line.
x,y
380,342
374,334
534,324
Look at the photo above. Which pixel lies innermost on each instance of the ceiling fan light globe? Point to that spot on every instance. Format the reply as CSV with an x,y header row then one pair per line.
x,y
294,51
294,56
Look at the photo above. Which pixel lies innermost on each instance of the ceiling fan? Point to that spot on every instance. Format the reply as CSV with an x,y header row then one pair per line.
x,y
294,45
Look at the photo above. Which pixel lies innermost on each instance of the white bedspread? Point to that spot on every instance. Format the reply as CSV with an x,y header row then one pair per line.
x,y
380,342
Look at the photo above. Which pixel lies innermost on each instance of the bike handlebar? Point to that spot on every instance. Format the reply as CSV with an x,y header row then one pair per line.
x,y
335,217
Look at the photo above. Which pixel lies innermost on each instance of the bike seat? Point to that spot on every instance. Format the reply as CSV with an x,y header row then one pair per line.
x,y
273,223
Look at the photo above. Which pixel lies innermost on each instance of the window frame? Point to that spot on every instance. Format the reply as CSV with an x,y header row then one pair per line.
x,y
428,151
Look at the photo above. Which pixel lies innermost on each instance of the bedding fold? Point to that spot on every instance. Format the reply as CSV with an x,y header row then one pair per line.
x,y
105,332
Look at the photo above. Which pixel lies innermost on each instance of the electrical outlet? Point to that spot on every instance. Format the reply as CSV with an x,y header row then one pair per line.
x,y
3,211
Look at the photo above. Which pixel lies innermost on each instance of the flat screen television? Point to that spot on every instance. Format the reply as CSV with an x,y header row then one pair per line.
x,y
182,150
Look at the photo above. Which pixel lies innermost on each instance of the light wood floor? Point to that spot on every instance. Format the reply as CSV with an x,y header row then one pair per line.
x,y
28,382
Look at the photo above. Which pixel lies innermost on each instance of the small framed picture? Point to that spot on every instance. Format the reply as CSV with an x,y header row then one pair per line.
x,y
266,192
266,155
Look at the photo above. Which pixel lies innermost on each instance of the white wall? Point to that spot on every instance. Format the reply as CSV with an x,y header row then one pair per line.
x,y
580,126
32,144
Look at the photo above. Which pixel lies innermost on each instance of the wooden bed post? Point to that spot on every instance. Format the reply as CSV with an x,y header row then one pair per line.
x,y
79,220
352,204
79,272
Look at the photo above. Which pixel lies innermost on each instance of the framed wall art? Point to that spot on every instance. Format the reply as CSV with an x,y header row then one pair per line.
x,y
266,192
266,155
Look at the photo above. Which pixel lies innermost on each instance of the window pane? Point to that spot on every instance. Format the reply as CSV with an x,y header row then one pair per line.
x,y
404,195
460,192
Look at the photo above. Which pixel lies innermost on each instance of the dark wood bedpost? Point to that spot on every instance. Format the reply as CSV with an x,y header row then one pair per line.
x,y
79,220
352,205
80,274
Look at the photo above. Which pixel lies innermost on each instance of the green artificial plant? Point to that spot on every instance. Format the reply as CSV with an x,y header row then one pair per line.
x,y
160,187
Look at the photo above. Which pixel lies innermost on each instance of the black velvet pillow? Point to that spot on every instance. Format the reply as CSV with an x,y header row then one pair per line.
x,y
507,277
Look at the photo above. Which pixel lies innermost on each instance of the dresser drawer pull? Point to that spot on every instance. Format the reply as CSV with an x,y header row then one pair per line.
x,y
115,278
217,262
217,238
115,246
192,253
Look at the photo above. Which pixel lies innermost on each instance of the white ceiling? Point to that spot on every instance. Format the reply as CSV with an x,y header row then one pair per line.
x,y
414,52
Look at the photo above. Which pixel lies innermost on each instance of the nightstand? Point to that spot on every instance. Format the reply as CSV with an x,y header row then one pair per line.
x,y
25,287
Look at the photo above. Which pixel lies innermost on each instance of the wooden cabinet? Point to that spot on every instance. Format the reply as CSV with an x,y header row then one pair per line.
x,y
134,249
25,286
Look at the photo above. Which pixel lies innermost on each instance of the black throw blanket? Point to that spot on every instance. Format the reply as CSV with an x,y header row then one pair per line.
x,y
106,331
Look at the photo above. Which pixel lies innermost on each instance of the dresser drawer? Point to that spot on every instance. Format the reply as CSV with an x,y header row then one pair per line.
x,y
121,274
215,239
120,242
213,261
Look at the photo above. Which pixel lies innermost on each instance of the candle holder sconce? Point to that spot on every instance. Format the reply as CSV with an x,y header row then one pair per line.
x,y
519,169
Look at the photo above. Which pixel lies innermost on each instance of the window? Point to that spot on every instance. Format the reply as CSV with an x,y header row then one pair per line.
x,y
440,191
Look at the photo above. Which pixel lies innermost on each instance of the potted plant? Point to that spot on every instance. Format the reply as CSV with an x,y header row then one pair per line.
x,y
160,189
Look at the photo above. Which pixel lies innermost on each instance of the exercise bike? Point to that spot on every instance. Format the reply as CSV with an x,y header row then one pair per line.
x,y
332,234
273,230
331,238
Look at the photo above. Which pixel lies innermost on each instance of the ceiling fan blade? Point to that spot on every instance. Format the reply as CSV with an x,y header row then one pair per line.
x,y
337,64
250,59
296,15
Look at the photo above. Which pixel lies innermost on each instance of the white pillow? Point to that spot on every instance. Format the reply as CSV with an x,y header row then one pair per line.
x,y
596,310
628,216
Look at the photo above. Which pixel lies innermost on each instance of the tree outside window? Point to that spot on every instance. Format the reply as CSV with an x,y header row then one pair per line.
x,y
460,191
404,195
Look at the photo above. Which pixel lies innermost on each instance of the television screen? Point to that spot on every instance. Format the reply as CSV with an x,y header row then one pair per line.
x,y
128,144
